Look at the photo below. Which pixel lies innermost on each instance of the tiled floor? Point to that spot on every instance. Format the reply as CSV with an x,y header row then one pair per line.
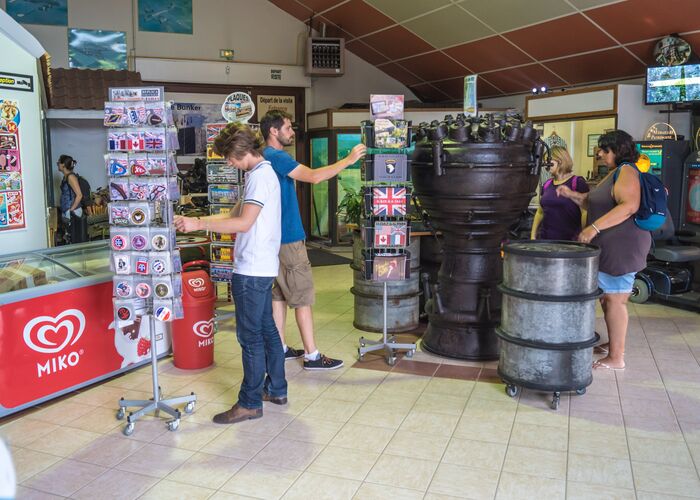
x,y
430,428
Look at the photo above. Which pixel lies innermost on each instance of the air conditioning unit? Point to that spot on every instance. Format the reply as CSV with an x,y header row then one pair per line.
x,y
325,56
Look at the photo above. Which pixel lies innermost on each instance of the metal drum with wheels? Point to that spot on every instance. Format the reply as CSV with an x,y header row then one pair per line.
x,y
547,327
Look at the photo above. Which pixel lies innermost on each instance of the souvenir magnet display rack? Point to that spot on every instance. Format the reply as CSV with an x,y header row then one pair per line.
x,y
385,228
147,285
223,191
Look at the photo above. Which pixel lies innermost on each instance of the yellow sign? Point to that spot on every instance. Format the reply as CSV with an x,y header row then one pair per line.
x,y
643,163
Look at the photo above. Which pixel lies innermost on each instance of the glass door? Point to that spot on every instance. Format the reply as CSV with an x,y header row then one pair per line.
x,y
349,180
319,192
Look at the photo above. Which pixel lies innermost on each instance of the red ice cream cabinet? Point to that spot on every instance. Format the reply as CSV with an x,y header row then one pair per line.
x,y
57,329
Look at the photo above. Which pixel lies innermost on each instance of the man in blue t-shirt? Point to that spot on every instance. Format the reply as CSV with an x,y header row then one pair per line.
x,y
294,286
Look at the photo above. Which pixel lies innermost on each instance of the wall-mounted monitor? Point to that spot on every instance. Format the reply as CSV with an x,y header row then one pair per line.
x,y
673,84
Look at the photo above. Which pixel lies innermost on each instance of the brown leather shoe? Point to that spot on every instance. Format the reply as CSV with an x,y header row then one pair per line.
x,y
237,414
281,400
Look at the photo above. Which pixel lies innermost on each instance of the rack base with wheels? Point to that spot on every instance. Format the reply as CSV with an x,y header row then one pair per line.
x,y
388,343
156,404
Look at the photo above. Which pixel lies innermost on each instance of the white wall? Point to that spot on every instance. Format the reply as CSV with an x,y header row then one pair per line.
x,y
35,235
360,80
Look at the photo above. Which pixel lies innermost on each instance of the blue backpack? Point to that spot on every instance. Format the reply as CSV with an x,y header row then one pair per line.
x,y
653,203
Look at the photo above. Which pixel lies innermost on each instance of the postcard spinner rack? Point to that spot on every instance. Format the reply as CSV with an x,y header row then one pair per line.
x,y
385,228
147,286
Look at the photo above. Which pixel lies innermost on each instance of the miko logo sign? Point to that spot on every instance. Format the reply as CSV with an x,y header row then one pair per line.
x,y
205,330
51,335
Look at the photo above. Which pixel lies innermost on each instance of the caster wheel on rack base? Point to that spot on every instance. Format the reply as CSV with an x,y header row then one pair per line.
x,y
121,414
173,425
391,360
409,354
512,390
581,391
189,407
362,341
555,401
360,356
128,429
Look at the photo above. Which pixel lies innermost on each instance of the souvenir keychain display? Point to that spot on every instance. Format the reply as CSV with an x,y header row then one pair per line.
x,y
385,228
225,186
147,286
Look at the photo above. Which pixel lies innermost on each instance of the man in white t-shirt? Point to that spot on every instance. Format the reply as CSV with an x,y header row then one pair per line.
x,y
256,265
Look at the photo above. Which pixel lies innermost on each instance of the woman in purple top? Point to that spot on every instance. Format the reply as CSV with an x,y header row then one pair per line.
x,y
559,218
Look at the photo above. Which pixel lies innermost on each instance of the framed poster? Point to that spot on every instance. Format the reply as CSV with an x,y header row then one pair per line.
x,y
592,143
166,16
97,49
284,103
51,12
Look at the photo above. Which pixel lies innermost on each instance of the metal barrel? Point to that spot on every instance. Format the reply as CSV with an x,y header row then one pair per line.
x,y
403,302
547,333
473,177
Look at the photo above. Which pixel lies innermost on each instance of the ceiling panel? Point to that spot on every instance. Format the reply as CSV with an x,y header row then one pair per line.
x,y
560,41
505,15
521,43
487,54
360,49
400,10
587,4
599,66
449,26
453,87
293,8
398,42
318,5
399,73
427,92
636,20
433,66
525,77
485,89
358,18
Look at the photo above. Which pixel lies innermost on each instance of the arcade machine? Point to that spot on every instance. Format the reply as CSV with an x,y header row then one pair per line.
x,y
670,274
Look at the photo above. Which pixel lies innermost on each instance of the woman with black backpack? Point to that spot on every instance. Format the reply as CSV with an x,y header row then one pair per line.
x,y
624,246
72,203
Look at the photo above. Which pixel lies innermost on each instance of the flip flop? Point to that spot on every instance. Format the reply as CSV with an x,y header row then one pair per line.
x,y
599,364
601,349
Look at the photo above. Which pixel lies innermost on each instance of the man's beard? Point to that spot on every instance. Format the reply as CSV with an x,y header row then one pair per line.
x,y
287,142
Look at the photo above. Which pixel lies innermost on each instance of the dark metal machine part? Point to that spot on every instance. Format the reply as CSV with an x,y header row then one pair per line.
x,y
473,178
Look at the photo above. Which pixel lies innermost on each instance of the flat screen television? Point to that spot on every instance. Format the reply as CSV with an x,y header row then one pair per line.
x,y
672,84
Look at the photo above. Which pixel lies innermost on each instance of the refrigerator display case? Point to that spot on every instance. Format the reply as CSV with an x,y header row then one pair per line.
x,y
57,330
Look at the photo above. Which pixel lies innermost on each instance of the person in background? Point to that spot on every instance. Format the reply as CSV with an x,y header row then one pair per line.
x,y
255,266
294,286
623,246
559,218
71,202
8,482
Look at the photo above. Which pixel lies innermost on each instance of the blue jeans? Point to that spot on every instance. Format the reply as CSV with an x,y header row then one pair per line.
x,y
262,350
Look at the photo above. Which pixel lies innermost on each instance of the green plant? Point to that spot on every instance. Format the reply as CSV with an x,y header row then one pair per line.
x,y
350,207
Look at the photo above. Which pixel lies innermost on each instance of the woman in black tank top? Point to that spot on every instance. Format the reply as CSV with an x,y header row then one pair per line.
x,y
623,246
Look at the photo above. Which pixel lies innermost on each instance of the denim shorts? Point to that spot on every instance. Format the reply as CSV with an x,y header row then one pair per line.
x,y
615,284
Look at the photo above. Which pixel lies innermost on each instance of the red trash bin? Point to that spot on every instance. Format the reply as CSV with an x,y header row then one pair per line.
x,y
193,336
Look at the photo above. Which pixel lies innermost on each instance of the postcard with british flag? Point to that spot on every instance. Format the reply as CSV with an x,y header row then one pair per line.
x,y
389,201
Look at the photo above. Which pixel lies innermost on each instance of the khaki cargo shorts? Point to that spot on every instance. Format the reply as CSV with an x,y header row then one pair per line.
x,y
294,283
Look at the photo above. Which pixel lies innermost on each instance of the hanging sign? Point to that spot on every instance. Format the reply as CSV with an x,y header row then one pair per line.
x,y
13,81
11,182
284,103
660,131
238,107
470,104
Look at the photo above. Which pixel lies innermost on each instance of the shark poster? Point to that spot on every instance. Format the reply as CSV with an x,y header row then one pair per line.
x,y
52,12
166,16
